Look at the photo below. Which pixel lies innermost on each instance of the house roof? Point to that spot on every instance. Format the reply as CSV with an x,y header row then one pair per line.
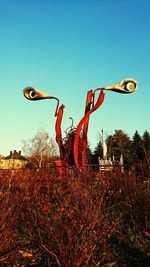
x,y
15,155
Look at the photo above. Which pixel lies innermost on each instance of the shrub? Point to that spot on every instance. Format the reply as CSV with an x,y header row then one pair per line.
x,y
84,219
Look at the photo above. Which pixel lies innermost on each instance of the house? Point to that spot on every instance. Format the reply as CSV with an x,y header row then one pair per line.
x,y
13,161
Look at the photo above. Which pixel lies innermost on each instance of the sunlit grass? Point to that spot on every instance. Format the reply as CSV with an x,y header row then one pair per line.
x,y
89,219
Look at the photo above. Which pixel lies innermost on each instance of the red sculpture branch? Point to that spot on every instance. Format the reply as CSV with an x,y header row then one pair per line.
x,y
83,124
58,129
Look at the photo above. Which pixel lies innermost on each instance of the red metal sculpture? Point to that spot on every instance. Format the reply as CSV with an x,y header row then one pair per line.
x,y
79,135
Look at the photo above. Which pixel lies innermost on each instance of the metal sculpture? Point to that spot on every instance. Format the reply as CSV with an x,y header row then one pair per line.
x,y
80,135
31,94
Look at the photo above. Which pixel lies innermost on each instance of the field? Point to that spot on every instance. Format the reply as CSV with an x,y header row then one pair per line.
x,y
86,219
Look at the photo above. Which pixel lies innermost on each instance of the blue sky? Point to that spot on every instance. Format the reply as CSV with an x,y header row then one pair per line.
x,y
66,48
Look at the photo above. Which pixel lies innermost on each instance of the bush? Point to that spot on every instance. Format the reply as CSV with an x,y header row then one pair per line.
x,y
86,219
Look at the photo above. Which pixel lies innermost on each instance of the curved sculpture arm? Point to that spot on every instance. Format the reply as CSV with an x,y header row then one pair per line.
x,y
58,129
126,86
31,94
84,123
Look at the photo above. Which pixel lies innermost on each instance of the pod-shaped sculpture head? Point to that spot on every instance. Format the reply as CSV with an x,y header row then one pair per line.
x,y
31,94
126,86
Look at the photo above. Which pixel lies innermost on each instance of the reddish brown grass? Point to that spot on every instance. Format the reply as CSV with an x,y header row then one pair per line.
x,y
80,220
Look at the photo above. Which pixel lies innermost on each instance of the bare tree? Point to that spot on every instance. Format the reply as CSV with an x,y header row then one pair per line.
x,y
41,148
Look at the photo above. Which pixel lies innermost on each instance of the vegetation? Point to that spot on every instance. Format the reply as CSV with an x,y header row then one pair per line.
x,y
86,219
40,149
135,150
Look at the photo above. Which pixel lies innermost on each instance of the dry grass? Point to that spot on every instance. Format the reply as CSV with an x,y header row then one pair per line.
x,y
89,219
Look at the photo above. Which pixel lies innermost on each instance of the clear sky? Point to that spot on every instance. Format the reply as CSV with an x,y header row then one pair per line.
x,y
65,48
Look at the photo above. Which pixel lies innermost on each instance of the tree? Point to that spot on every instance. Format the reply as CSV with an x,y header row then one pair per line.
x,y
98,152
138,153
89,154
41,148
146,146
119,143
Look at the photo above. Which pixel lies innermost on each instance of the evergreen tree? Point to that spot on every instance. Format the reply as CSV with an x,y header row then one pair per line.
x,y
146,146
138,153
118,144
89,155
98,152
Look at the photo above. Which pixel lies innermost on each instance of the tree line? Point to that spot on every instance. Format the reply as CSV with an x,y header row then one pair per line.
x,y
42,149
135,150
